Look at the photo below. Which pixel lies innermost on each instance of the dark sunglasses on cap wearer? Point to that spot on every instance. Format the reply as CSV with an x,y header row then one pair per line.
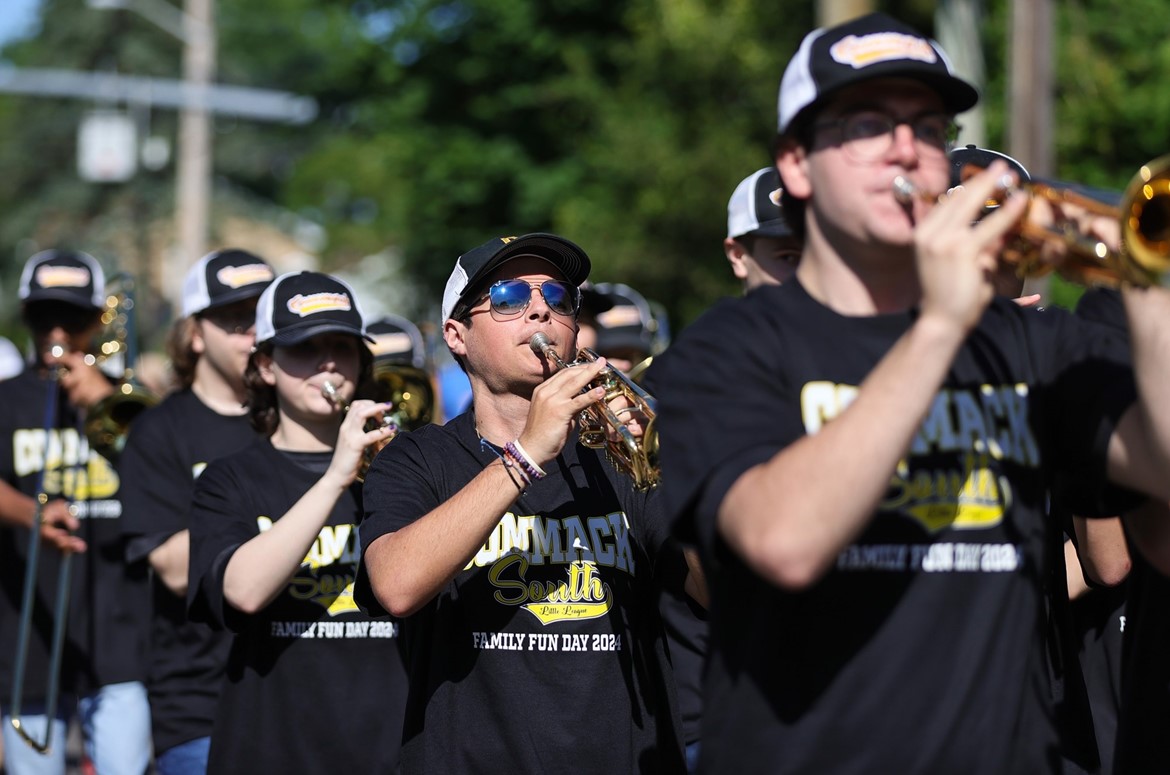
x,y
510,298
237,318
44,316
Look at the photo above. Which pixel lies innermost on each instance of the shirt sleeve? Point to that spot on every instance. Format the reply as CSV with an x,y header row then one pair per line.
x,y
150,471
711,432
1086,384
220,524
400,488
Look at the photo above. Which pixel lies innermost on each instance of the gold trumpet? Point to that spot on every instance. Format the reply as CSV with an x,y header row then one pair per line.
x,y
411,401
601,427
1143,258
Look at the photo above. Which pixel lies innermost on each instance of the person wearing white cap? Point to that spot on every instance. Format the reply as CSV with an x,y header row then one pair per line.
x,y
313,685
761,246
863,454
167,449
522,565
45,455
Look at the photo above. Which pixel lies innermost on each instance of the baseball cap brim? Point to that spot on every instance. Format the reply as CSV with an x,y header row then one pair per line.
x,y
65,296
777,229
231,297
957,95
294,335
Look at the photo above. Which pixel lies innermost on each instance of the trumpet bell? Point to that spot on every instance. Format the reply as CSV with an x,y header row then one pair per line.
x,y
410,392
107,424
1145,223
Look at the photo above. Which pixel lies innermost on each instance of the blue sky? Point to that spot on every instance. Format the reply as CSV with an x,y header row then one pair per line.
x,y
16,18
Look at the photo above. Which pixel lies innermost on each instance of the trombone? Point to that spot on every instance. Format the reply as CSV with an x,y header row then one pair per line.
x,y
61,601
1143,257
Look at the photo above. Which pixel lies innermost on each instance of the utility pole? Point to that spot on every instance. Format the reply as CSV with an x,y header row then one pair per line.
x,y
193,170
834,12
1030,107
1030,96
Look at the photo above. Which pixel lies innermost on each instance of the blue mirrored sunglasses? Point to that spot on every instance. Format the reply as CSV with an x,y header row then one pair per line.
x,y
511,297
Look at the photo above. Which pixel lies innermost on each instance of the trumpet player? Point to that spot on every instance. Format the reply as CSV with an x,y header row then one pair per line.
x,y
312,684
168,447
863,453
62,294
521,564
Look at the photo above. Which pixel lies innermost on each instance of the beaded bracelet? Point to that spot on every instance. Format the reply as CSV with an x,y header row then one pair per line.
x,y
534,471
509,466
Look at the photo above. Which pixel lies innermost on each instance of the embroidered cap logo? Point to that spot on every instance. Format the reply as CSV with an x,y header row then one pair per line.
x,y
313,303
865,50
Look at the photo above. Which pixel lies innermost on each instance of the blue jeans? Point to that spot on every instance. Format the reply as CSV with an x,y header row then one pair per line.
x,y
115,723
189,758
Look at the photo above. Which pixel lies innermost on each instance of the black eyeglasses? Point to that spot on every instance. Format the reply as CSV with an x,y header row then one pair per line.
x,y
511,297
867,135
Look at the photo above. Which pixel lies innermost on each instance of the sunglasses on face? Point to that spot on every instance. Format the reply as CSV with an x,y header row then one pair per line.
x,y
511,297
44,316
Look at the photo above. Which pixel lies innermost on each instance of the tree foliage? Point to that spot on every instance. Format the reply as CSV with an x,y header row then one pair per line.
x,y
443,123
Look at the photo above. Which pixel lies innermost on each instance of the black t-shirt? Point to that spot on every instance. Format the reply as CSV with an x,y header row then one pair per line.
x,y
106,635
313,685
1132,687
166,451
922,649
545,654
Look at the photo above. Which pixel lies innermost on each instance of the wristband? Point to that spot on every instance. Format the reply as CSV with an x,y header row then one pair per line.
x,y
509,466
534,471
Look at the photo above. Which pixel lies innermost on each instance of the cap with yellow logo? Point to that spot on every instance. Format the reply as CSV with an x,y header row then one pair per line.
x,y
224,277
301,305
62,275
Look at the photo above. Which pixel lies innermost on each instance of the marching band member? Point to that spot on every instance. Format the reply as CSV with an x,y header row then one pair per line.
x,y
62,295
875,546
167,449
312,684
521,563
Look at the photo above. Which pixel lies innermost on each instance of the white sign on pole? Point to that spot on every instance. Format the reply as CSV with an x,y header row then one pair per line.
x,y
107,149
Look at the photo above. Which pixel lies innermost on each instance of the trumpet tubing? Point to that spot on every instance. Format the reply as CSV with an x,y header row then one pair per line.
x,y
1143,257
600,426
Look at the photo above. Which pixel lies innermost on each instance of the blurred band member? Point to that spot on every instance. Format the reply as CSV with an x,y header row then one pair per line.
x,y
313,685
884,532
761,246
62,295
521,564
168,448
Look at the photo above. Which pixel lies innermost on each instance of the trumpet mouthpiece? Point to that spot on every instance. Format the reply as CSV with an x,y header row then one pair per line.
x,y
904,191
538,342
330,393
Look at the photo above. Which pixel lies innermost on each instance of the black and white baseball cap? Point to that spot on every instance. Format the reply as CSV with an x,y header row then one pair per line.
x,y
64,275
754,207
872,46
396,340
628,324
476,264
301,305
982,158
224,277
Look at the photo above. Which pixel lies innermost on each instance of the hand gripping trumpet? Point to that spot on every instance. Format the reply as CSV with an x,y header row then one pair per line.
x,y
371,451
600,426
1142,258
